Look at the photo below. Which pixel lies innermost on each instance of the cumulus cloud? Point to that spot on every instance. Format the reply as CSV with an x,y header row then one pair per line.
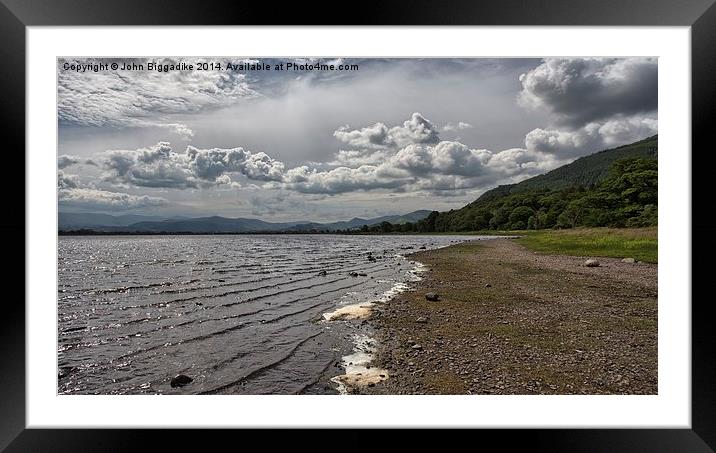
x,y
592,137
444,166
341,180
450,127
422,163
594,103
144,98
404,158
89,198
72,193
415,130
65,181
178,128
578,91
446,158
376,136
621,131
161,166
356,158
66,160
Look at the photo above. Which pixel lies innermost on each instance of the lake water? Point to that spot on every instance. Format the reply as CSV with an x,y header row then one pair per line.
x,y
238,314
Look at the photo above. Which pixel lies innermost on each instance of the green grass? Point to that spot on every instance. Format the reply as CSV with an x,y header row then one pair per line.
x,y
637,243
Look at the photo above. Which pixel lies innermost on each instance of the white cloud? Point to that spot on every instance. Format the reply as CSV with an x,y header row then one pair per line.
x,y
66,160
622,131
376,136
578,91
421,164
340,180
415,130
416,166
356,158
450,127
72,193
65,181
116,98
88,198
592,137
161,166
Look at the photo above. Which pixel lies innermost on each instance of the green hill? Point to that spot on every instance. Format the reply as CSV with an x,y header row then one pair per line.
x,y
585,171
616,188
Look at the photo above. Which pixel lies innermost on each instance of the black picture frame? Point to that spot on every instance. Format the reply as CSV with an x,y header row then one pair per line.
x,y
700,15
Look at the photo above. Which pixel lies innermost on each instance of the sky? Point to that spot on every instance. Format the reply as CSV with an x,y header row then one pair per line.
x,y
296,142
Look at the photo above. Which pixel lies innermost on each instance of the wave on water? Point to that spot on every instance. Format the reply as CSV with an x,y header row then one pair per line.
x,y
274,314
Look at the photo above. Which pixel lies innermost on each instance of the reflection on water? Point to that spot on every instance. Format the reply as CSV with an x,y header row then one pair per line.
x,y
238,314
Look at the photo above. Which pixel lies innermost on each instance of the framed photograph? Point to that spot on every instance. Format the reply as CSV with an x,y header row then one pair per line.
x,y
242,217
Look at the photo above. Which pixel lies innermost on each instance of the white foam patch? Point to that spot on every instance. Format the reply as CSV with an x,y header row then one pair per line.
x,y
355,311
359,373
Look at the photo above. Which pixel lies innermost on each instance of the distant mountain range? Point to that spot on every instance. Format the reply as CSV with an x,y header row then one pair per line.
x,y
585,172
132,223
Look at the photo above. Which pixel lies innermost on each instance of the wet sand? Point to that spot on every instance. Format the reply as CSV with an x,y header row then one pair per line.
x,y
511,321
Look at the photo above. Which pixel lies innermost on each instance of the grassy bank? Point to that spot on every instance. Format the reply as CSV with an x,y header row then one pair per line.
x,y
637,243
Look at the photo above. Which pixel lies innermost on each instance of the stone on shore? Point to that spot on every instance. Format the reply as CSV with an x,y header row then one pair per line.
x,y
432,297
180,380
628,260
591,263
422,320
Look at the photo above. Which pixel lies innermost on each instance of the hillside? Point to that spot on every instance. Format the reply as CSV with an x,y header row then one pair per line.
x,y
616,188
68,220
585,171
214,224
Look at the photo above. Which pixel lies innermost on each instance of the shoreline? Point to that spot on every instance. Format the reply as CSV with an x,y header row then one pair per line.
x,y
513,321
358,365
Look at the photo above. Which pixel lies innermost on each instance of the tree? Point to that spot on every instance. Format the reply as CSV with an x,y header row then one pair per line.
x,y
499,219
520,216
531,222
571,216
386,227
428,223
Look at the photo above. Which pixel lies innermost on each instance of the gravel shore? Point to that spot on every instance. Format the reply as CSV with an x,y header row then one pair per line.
x,y
511,321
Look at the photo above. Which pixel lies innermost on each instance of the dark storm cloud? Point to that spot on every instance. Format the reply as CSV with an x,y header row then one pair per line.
x,y
578,91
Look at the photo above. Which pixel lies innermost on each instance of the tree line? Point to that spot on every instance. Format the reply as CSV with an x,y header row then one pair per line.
x,y
626,197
